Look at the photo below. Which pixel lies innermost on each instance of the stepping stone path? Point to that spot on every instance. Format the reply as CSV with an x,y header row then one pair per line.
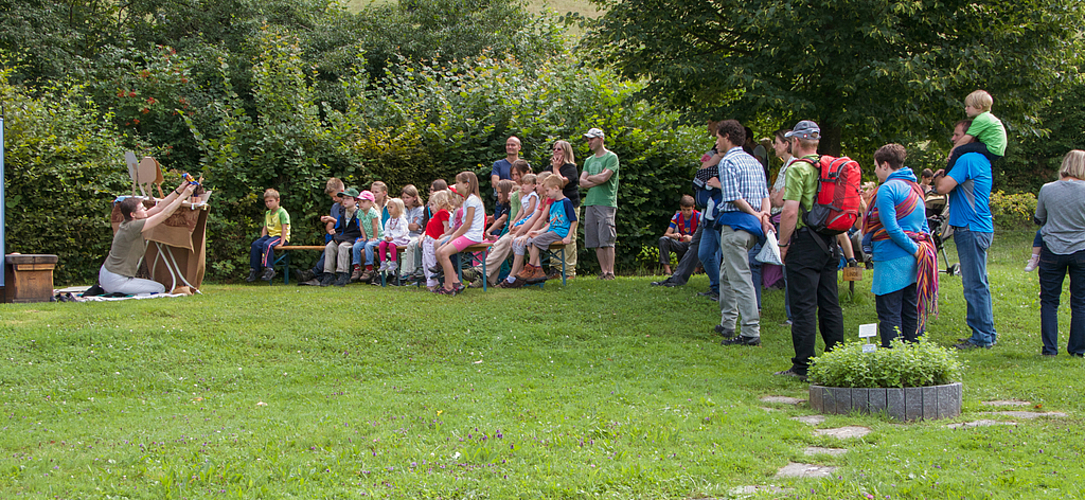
x,y
979,423
810,419
793,469
1028,415
1006,402
818,450
850,431
784,400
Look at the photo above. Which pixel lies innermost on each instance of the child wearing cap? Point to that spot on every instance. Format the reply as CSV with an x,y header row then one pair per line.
x,y
369,219
276,231
344,232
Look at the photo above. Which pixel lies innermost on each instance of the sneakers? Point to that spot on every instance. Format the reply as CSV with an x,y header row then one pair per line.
x,y
519,283
665,283
790,372
356,274
967,346
725,332
342,279
391,267
554,274
538,275
327,279
527,272
303,275
268,275
741,340
710,295
252,276
366,275
440,290
1033,263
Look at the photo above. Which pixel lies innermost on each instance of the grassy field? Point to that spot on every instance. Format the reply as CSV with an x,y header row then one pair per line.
x,y
594,390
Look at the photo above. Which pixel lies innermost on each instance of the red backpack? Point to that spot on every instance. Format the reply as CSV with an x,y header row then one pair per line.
x,y
836,206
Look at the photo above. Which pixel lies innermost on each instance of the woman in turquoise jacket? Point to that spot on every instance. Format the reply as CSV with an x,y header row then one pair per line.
x,y
896,227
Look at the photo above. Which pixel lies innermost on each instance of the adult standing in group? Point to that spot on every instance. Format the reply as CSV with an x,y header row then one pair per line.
x,y
743,219
503,168
117,274
810,259
896,225
969,187
1060,209
600,177
782,147
563,164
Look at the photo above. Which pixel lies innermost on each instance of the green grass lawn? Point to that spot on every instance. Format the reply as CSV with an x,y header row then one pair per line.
x,y
598,389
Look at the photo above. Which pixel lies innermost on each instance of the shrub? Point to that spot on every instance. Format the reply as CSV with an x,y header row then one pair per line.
x,y
919,364
63,166
1012,211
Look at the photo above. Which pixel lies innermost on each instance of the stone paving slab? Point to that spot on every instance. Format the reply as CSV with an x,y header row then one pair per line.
x,y
843,432
793,469
810,419
818,450
749,490
785,400
1006,402
979,423
1028,415
768,409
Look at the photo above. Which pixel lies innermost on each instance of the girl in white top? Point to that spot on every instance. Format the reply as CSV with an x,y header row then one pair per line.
x,y
395,234
470,233
416,214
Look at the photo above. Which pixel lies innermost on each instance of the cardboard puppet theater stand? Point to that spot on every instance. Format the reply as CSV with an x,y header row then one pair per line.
x,y
177,248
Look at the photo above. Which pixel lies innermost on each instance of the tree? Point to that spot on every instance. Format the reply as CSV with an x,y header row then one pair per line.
x,y
868,71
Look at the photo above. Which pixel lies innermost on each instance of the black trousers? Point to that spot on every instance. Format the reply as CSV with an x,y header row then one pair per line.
x,y
811,284
898,315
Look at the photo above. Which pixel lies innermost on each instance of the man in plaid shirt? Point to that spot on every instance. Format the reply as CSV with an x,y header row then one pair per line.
x,y
742,219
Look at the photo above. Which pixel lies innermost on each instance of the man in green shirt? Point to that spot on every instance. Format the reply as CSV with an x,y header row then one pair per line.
x,y
600,177
810,264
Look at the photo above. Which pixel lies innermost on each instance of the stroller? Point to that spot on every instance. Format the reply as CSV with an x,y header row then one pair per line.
x,y
937,207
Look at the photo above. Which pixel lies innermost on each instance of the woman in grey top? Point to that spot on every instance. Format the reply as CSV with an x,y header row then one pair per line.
x,y
118,273
1060,209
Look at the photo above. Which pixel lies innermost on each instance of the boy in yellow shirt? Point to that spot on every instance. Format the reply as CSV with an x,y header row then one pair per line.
x,y
276,232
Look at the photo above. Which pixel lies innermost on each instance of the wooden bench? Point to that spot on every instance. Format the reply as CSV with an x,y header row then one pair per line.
x,y
283,260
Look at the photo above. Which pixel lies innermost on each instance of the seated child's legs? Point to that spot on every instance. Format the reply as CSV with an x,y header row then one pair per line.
x,y
429,259
369,248
382,250
331,252
356,252
972,147
411,256
342,264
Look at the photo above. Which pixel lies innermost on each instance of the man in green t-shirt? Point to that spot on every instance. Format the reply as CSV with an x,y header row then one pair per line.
x,y
809,257
600,177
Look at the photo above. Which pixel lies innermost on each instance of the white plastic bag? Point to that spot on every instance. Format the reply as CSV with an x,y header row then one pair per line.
x,y
770,251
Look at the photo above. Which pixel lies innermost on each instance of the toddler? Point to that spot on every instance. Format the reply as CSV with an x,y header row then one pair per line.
x,y
396,232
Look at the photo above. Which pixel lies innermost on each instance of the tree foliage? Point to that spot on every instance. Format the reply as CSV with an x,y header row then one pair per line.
x,y
869,71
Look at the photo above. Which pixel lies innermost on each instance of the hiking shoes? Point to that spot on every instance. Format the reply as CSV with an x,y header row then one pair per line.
x,y
740,340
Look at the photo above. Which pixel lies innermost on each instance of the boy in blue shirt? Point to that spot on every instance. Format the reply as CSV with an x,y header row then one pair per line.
x,y
561,227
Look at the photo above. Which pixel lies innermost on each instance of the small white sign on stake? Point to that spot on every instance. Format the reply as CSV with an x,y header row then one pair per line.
x,y
868,331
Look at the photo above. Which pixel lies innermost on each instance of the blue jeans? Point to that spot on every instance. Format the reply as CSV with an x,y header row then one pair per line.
x,y
1053,268
708,251
972,252
356,251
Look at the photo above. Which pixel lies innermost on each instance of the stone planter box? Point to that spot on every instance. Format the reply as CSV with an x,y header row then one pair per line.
x,y
909,403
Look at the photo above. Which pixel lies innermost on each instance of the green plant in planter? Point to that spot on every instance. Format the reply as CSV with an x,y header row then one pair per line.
x,y
920,364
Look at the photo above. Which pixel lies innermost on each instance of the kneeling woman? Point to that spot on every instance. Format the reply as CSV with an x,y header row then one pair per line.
x,y
118,273
905,283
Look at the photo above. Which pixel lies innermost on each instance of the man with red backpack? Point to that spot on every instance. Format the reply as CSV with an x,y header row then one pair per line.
x,y
808,247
